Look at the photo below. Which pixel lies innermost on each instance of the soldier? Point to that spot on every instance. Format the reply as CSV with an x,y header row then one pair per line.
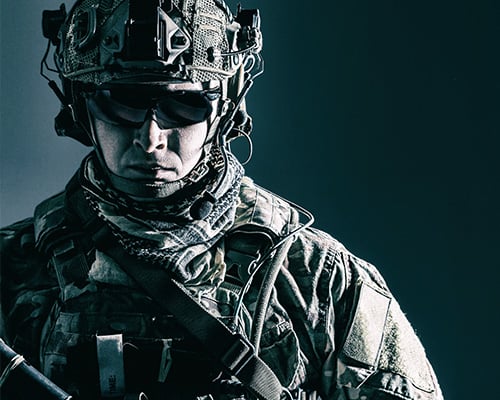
x,y
162,271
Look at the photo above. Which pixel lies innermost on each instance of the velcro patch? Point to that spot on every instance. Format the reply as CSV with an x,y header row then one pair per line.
x,y
366,334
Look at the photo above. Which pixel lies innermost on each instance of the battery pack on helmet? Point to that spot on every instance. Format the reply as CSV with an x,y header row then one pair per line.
x,y
51,23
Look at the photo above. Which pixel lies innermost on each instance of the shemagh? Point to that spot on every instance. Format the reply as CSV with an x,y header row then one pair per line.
x,y
162,232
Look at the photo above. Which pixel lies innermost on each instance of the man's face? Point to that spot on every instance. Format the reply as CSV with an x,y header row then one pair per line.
x,y
151,137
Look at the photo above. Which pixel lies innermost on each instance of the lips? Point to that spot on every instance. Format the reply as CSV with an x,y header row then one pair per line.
x,y
149,172
150,167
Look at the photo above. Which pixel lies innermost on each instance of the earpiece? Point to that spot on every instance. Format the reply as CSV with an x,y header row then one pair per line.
x,y
66,125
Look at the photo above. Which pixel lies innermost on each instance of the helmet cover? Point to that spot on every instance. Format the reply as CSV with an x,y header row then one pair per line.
x,y
134,41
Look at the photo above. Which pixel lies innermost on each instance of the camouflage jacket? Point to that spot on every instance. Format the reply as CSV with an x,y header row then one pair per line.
x,y
332,326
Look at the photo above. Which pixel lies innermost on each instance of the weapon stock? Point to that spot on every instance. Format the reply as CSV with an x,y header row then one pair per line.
x,y
20,381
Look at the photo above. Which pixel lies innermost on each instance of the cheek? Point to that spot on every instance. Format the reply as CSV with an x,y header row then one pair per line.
x,y
192,139
113,143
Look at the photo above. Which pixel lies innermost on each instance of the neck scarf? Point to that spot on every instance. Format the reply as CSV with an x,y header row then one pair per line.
x,y
162,232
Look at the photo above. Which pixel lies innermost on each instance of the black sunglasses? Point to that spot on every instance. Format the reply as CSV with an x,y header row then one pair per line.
x,y
170,109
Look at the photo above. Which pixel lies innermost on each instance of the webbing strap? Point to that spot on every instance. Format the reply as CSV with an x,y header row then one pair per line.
x,y
234,351
70,265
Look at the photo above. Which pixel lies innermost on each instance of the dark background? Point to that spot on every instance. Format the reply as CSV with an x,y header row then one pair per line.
x,y
381,117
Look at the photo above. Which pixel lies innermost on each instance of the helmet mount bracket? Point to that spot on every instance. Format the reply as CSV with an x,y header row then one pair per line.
x,y
151,34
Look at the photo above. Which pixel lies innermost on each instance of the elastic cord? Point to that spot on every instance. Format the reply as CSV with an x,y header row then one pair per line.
x,y
15,362
265,292
271,274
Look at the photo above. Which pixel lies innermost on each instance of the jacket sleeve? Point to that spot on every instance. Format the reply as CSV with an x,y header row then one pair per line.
x,y
364,346
377,352
28,289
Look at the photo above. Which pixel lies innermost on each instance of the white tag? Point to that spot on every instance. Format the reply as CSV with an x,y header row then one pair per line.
x,y
166,360
111,369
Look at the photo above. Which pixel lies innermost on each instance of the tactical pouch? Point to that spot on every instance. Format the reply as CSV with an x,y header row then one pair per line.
x,y
150,365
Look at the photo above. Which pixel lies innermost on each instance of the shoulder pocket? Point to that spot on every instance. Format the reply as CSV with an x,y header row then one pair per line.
x,y
380,339
365,337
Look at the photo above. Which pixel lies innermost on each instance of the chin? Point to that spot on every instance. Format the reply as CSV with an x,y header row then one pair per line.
x,y
168,178
155,181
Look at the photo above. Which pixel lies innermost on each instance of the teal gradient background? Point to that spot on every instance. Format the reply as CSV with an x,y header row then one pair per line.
x,y
380,117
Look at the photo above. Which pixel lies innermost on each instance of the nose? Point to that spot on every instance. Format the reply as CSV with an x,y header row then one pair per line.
x,y
150,137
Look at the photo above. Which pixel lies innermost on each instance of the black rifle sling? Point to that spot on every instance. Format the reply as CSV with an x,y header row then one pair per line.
x,y
235,352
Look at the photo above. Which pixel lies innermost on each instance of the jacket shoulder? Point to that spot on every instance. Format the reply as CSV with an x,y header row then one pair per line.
x,y
21,237
28,287
350,308
16,237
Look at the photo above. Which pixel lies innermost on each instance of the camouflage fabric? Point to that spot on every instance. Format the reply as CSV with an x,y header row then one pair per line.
x,y
332,327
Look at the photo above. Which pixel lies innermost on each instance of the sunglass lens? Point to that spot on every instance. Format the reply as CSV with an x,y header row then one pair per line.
x,y
170,109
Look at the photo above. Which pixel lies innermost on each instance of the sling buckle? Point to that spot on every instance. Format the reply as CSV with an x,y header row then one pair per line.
x,y
238,355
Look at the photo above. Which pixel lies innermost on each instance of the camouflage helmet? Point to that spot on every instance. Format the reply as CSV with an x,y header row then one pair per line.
x,y
152,40
103,42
